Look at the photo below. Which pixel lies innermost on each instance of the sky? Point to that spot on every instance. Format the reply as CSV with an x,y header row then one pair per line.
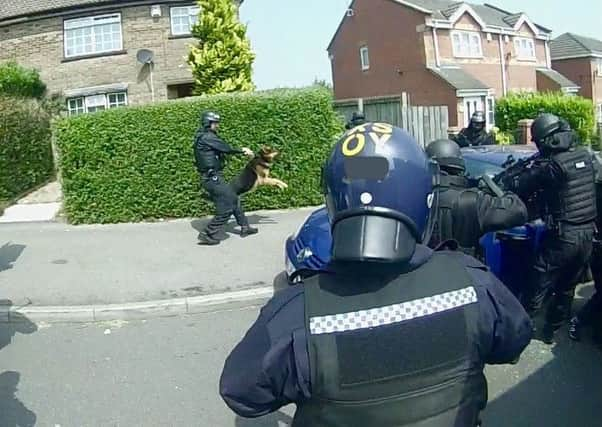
x,y
290,37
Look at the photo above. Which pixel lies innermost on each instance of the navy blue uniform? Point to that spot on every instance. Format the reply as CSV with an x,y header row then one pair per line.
x,y
270,367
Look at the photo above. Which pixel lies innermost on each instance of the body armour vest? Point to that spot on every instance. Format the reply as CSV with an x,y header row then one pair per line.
x,y
575,201
394,351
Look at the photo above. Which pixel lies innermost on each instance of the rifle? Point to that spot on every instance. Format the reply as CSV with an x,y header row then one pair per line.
x,y
513,168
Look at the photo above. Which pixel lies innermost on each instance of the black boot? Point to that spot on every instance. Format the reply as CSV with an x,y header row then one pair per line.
x,y
575,329
207,239
247,230
547,334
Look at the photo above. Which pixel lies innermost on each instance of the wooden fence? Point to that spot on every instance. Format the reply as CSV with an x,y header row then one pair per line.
x,y
423,123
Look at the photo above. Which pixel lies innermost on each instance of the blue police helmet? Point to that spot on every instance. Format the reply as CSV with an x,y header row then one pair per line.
x,y
378,184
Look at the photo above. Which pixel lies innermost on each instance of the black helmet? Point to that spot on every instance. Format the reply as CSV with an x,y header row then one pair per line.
x,y
448,154
478,118
357,115
210,117
544,126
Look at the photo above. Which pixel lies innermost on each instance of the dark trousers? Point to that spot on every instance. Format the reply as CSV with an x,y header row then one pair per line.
x,y
592,310
226,202
558,267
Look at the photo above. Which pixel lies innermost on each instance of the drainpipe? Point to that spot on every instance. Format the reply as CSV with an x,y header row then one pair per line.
x,y
436,41
503,64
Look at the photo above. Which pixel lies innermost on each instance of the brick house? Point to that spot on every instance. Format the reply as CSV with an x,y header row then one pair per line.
x,y
440,52
86,50
580,59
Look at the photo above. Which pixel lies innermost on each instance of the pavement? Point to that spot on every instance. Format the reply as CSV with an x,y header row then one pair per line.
x,y
165,372
43,204
78,270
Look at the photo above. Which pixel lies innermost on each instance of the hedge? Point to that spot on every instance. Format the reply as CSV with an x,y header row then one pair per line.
x,y
134,164
20,82
578,111
25,148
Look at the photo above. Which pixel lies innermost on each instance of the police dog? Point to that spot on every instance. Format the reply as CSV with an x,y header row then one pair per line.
x,y
257,172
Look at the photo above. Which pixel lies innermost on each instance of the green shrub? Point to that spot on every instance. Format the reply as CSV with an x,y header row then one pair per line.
x,y
25,149
134,164
579,112
19,82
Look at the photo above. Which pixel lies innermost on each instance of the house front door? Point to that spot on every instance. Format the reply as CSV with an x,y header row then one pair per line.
x,y
472,105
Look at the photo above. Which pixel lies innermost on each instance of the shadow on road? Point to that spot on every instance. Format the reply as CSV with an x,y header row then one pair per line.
x,y
564,392
9,253
277,419
13,413
19,324
254,219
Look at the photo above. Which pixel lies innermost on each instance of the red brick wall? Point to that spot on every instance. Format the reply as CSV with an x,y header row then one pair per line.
x,y
580,71
389,31
544,84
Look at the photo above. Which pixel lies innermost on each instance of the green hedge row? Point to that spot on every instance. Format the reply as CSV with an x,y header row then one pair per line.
x,y
17,81
578,111
25,147
134,164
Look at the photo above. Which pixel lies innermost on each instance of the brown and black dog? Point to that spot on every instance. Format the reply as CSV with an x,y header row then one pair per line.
x,y
257,172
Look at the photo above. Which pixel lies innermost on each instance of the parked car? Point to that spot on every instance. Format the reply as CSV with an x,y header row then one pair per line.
x,y
508,253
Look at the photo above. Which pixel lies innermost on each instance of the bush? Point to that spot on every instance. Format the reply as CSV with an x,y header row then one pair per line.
x,y
579,112
19,82
25,148
134,164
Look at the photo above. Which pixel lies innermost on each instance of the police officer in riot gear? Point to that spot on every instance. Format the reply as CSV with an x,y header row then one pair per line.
x,y
392,334
357,118
475,134
465,214
564,176
210,152
591,313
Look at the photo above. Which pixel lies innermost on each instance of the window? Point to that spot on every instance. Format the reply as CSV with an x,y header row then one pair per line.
x,y
93,103
490,112
466,44
599,67
183,18
97,34
524,48
365,58
599,112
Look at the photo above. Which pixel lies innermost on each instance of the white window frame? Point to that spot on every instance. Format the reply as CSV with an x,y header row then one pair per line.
x,y
524,48
490,111
462,50
118,104
192,13
93,23
599,112
467,101
87,102
365,61
599,67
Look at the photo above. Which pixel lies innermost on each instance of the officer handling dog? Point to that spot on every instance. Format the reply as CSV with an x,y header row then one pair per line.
x,y
464,213
564,174
393,334
210,152
475,134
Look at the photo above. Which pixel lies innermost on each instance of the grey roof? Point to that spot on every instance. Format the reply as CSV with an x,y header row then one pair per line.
x,y
491,15
18,8
572,45
458,78
555,76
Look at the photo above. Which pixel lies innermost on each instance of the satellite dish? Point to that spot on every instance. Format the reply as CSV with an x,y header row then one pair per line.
x,y
145,56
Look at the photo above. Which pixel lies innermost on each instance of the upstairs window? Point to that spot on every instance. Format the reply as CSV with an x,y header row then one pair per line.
x,y
364,58
467,44
92,35
524,48
599,67
183,19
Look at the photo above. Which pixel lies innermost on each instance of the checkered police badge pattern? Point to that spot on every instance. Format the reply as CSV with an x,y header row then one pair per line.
x,y
395,313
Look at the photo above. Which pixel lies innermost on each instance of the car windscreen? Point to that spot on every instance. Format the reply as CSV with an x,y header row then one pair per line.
x,y
476,169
